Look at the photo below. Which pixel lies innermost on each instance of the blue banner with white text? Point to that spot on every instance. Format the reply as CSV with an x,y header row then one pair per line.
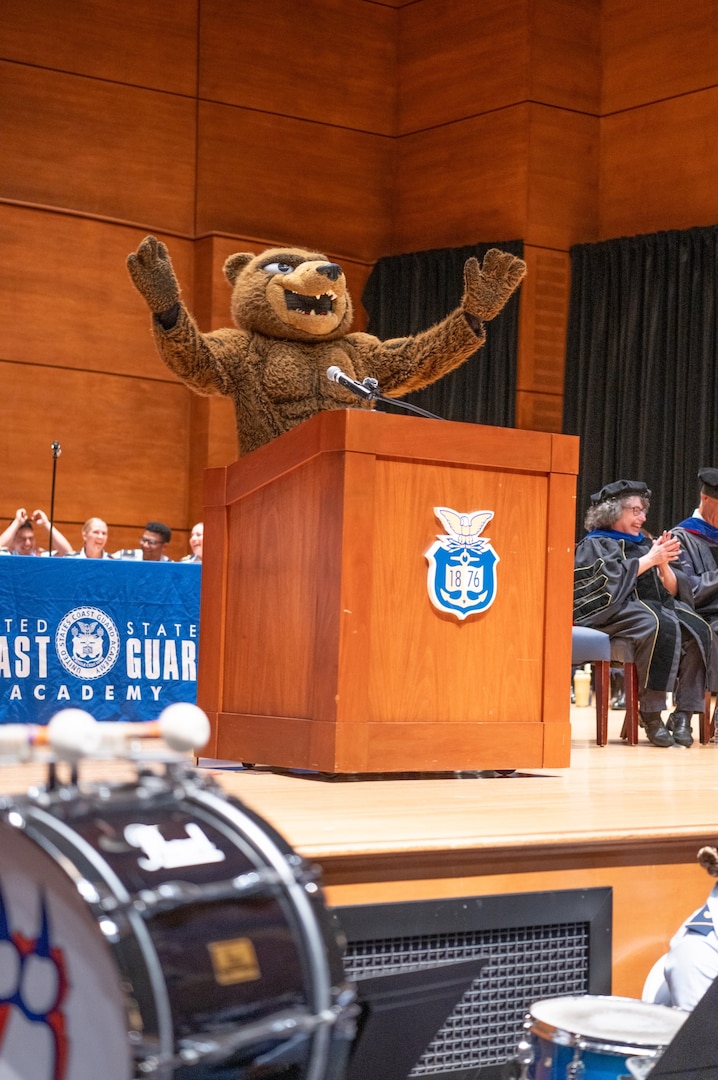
x,y
118,639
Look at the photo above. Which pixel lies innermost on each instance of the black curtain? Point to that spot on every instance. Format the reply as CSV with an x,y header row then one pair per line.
x,y
408,293
641,386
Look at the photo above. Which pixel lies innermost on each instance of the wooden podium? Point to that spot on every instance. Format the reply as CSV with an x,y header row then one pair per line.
x,y
320,646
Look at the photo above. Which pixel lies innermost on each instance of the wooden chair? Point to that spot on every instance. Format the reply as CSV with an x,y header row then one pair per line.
x,y
593,647
622,653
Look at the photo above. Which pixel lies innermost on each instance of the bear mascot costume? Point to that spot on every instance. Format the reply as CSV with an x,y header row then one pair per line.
x,y
292,314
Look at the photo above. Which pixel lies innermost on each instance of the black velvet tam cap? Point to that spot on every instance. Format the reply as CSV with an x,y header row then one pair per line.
x,y
619,488
709,482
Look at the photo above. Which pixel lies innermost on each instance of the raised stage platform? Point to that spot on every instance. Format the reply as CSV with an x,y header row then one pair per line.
x,y
632,818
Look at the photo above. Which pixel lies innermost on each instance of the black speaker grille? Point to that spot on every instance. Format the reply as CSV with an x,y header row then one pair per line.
x,y
526,963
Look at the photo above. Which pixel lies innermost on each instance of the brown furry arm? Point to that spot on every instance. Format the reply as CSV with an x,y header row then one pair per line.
x,y
208,363
202,361
401,365
407,364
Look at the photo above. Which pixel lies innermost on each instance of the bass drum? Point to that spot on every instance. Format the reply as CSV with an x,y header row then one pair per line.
x,y
161,929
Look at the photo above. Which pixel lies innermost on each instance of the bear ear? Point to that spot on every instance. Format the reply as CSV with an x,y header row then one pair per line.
x,y
235,263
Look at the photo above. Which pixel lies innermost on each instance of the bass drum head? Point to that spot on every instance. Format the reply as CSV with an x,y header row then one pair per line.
x,y
606,1024
62,1011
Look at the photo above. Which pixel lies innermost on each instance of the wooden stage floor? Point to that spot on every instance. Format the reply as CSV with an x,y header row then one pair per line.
x,y
629,817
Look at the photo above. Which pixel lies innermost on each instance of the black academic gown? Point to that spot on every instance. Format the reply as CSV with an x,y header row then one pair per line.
x,y
699,562
610,595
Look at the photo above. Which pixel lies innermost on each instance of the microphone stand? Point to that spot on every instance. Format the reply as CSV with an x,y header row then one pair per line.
x,y
373,386
56,451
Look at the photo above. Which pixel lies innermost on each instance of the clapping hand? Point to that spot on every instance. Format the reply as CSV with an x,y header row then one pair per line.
x,y
667,548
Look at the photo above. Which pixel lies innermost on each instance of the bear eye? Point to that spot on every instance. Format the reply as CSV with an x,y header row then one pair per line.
x,y
278,268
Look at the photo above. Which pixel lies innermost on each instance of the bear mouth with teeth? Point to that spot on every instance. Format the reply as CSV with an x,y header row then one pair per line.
x,y
310,305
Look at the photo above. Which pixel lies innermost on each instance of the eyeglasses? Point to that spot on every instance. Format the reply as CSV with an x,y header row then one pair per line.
x,y
150,541
635,510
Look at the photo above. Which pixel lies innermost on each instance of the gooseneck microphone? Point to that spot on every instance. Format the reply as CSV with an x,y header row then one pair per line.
x,y
335,374
369,390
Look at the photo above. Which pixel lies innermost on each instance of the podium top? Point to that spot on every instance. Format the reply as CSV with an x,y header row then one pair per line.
x,y
384,435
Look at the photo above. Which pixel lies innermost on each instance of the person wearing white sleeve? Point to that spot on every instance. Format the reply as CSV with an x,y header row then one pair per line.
x,y
94,538
196,541
19,537
155,538
692,961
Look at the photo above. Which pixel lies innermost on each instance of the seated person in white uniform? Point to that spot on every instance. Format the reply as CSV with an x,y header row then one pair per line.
x,y
19,537
692,961
196,541
155,538
94,538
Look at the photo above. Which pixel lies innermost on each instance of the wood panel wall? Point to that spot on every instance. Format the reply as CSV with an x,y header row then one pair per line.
x,y
371,128
659,127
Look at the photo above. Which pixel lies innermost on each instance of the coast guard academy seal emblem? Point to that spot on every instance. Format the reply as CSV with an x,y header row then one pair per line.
x,y
87,642
462,563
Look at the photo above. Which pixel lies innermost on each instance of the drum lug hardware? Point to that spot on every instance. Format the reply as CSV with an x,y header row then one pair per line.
x,y
149,1065
304,873
524,1055
16,819
257,884
284,1026
174,894
345,995
576,1070
639,1068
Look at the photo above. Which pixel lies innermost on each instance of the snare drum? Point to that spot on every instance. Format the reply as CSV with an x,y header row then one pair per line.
x,y
162,929
593,1037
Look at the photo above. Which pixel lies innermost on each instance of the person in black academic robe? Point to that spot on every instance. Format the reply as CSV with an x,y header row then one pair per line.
x,y
698,535
631,586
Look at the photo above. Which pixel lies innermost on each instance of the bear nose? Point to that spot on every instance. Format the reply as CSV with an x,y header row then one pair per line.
x,y
330,270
